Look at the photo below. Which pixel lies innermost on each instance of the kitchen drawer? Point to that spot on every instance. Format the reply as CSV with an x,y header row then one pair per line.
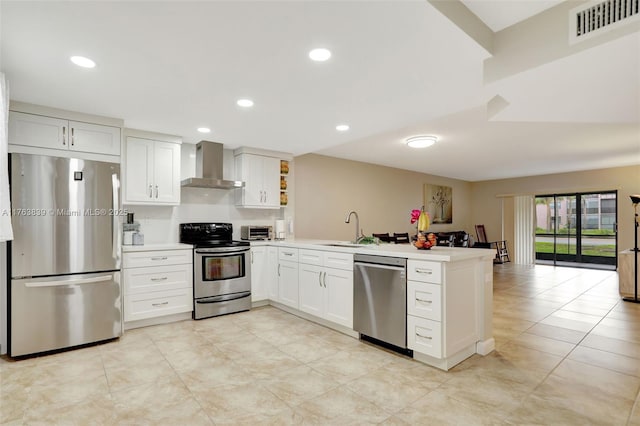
x,y
290,254
338,260
425,271
157,278
157,303
424,300
309,257
140,259
424,336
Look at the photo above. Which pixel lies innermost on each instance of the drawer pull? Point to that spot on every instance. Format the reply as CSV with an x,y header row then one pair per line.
x,y
423,300
160,279
159,258
424,337
160,304
288,254
424,271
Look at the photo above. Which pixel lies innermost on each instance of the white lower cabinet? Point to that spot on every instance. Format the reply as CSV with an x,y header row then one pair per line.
x,y
264,273
327,292
288,277
272,273
157,283
441,311
311,289
258,273
339,296
424,336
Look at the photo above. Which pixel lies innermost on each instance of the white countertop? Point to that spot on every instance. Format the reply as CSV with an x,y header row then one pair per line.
x,y
408,251
156,247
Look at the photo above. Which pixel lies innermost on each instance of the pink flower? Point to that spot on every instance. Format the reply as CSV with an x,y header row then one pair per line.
x,y
415,215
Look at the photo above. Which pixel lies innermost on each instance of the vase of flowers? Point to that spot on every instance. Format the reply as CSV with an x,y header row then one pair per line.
x,y
422,221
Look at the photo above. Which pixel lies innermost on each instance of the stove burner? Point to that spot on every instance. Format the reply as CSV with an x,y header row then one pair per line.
x,y
204,234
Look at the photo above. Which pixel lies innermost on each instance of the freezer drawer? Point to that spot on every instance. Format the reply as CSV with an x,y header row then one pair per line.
x,y
63,311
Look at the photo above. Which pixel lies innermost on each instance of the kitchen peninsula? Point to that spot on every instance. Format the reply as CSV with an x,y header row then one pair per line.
x,y
448,298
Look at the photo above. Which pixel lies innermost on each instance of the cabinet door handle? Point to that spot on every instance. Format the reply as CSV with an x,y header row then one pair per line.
x,y
320,279
278,269
251,258
424,271
156,191
64,135
150,191
265,197
324,279
424,337
160,279
160,304
72,136
159,258
424,300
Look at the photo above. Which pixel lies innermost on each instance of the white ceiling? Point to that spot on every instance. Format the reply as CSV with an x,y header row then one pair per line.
x,y
500,14
398,69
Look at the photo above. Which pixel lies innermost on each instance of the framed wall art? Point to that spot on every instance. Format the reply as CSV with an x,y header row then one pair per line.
x,y
438,202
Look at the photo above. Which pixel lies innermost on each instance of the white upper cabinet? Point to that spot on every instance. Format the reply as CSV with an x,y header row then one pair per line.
x,y
151,172
262,181
261,174
94,138
55,133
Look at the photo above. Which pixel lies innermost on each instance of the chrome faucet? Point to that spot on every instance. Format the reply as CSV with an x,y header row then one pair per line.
x,y
347,220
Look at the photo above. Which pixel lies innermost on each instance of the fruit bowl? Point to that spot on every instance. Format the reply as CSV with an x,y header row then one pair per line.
x,y
424,246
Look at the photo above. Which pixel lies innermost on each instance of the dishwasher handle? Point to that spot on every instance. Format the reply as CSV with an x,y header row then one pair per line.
x,y
379,266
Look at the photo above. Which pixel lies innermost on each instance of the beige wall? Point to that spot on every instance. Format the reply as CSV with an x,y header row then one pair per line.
x,y
487,205
327,188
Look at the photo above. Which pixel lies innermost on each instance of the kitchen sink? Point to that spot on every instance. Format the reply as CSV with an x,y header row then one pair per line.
x,y
346,245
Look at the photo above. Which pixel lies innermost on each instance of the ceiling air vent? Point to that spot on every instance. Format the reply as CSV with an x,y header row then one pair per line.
x,y
597,17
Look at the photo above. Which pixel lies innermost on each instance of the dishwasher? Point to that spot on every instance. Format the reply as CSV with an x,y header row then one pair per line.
x,y
380,299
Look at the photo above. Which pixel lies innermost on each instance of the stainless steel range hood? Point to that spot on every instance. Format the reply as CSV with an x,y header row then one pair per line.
x,y
209,168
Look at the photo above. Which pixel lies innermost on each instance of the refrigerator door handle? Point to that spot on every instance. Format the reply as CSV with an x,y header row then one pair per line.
x,y
115,185
68,282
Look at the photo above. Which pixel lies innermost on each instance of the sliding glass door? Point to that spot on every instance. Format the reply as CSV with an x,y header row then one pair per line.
x,y
577,228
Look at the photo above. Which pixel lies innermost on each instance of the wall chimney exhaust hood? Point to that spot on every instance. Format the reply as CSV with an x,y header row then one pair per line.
x,y
209,168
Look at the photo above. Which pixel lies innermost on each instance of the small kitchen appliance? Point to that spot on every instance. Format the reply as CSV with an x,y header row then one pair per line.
x,y
221,269
279,232
253,232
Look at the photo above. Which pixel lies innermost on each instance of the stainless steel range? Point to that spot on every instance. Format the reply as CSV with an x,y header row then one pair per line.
x,y
221,269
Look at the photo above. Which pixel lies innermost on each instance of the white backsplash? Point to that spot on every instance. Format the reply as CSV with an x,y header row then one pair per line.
x,y
160,224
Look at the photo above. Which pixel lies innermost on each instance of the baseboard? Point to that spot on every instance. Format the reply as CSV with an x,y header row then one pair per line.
x,y
337,327
485,347
157,321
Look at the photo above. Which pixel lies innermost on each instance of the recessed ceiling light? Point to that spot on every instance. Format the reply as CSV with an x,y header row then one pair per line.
x,y
421,141
342,127
204,130
245,103
320,54
83,62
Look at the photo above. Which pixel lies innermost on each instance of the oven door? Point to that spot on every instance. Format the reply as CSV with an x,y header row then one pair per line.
x,y
221,271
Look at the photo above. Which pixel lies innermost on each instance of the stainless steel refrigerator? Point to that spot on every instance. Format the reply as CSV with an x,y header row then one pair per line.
x,y
64,261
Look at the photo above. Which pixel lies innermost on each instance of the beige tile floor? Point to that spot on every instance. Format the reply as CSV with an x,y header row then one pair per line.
x,y
568,353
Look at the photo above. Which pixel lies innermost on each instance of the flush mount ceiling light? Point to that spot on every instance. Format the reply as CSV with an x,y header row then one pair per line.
x,y
320,54
204,130
421,141
83,62
342,127
245,103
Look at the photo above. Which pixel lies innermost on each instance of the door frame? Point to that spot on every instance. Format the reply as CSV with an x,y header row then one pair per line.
x,y
578,258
